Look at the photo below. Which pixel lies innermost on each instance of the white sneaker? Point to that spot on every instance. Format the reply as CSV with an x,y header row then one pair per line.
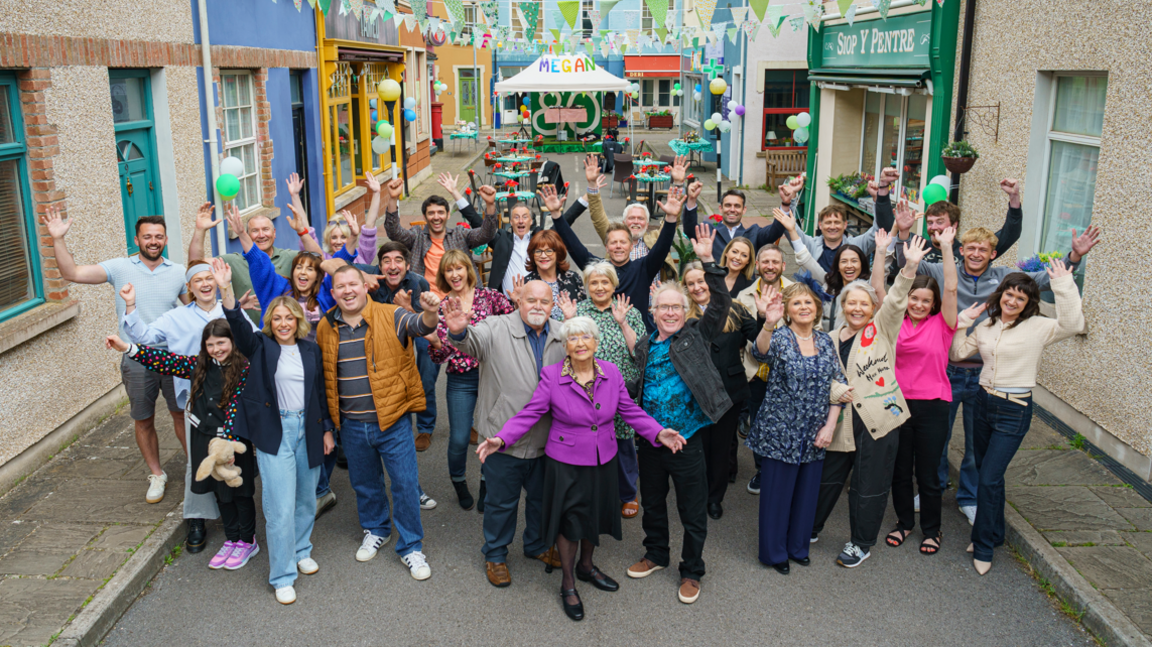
x,y
369,546
286,595
156,483
418,565
916,504
307,566
970,512
427,502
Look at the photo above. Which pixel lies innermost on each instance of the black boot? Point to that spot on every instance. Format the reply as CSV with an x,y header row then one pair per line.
x,y
480,497
197,536
463,494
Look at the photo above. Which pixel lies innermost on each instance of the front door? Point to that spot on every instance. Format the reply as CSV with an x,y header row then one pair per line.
x,y
466,90
299,134
135,149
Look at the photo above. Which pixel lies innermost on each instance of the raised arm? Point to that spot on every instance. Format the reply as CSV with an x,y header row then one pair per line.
x,y
691,215
156,360
720,301
491,223
392,215
247,340
1069,309
622,311
204,222
366,243
963,344
884,218
771,304
599,218
1014,221
576,249
880,263
57,227
521,423
891,314
663,245
948,293
773,232
472,340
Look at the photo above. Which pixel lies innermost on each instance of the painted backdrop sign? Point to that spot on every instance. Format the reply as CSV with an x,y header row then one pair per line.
x,y
901,41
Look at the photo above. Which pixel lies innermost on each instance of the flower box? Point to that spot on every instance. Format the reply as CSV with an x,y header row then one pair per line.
x,y
661,121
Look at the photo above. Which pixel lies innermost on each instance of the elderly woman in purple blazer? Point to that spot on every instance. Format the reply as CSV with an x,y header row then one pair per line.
x,y
581,500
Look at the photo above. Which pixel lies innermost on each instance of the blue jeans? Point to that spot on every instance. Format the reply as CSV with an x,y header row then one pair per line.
x,y
506,476
461,395
999,430
965,389
429,372
289,500
323,486
365,443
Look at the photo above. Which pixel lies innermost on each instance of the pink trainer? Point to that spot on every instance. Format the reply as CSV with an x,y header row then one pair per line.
x,y
241,553
221,556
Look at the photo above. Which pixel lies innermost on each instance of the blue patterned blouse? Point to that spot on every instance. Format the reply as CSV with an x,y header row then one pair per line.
x,y
796,403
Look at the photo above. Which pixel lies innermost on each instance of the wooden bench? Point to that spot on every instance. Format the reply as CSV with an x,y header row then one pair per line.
x,y
780,165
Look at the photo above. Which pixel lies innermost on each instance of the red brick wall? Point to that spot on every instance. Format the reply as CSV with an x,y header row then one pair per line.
x,y
43,147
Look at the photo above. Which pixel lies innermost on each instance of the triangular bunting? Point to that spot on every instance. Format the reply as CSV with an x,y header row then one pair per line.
x,y
732,31
704,11
883,6
738,14
759,7
843,6
606,6
531,12
594,18
659,9
850,16
455,11
570,9
796,23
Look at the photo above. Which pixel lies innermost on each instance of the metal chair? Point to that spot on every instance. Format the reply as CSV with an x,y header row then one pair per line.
x,y
475,198
621,170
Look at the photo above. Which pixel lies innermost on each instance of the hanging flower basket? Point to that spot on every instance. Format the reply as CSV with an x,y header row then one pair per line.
x,y
958,164
959,156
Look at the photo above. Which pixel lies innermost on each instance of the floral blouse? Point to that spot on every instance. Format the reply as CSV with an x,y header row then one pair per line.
x,y
485,303
796,403
590,386
568,281
163,362
613,348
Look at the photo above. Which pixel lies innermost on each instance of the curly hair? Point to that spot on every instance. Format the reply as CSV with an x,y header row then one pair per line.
x,y
233,366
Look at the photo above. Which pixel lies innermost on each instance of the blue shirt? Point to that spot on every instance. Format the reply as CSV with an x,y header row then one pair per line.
x,y
157,291
537,340
666,396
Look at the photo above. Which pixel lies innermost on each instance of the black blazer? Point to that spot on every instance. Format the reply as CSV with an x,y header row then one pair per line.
x,y
503,242
260,423
726,347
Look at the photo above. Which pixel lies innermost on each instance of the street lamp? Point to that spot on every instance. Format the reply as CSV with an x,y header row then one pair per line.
x,y
388,91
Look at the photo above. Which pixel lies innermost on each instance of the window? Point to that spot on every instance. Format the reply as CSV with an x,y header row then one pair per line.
x,y
1075,124
646,20
338,138
693,108
239,101
415,87
892,134
786,92
586,21
469,21
646,93
20,287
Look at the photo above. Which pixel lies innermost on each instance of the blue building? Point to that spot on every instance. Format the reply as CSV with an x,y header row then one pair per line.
x,y
265,99
699,65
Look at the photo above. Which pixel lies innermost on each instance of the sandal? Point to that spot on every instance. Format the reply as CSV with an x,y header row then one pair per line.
x,y
930,549
630,509
896,538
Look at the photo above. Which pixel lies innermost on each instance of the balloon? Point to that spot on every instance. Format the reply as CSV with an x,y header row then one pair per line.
x,y
698,88
227,186
718,86
410,103
725,126
696,95
792,122
739,111
409,114
675,86
717,117
800,135
803,119
373,115
732,104
384,129
635,94
942,180
371,103
934,193
389,90
709,124
232,166
381,145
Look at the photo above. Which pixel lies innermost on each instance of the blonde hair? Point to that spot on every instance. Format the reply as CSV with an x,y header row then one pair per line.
x,y
603,268
293,306
452,258
333,225
800,289
749,268
980,235
694,311
856,286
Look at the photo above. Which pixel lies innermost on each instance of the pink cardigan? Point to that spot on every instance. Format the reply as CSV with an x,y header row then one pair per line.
x,y
582,432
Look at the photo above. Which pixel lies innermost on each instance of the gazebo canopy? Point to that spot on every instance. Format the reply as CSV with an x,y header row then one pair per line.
x,y
567,73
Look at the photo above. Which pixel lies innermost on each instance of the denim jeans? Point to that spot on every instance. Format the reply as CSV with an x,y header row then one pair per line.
x,y
365,444
429,372
323,485
461,395
289,500
506,477
965,388
1000,428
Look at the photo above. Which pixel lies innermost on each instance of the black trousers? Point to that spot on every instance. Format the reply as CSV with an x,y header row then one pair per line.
x,y
719,450
689,477
922,441
871,467
239,518
758,390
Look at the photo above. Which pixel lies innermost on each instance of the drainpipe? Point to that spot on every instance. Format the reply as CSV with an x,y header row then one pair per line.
x,y
210,111
744,102
962,85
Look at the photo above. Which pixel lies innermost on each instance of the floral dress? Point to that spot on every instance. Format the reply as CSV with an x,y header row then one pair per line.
x,y
485,303
613,348
568,281
796,402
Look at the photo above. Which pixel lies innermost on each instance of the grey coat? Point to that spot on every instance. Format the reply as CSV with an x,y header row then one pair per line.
x,y
508,376
691,351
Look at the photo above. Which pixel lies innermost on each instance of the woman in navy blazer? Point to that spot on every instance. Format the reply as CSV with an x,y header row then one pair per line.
x,y
583,395
286,418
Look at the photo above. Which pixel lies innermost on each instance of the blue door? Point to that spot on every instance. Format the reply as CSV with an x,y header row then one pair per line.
x,y
135,149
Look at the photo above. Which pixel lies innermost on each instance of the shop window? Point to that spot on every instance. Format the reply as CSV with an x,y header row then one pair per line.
x,y
338,103
239,102
20,286
693,109
786,93
1076,123
646,20
646,93
892,134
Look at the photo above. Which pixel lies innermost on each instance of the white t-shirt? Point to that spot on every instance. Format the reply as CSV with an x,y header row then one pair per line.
x,y
290,379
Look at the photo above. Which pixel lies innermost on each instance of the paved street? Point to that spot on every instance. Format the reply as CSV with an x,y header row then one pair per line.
x,y
898,597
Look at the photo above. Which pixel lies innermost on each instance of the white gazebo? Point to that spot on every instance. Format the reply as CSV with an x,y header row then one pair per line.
x,y
564,73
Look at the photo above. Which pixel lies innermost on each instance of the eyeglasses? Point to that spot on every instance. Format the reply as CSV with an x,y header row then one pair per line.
x,y
581,338
544,252
669,307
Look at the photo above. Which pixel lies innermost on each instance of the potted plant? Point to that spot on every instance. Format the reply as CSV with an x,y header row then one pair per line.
x,y
611,119
959,156
660,119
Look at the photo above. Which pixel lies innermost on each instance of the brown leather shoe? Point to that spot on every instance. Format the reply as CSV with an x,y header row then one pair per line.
x,y
550,557
689,590
472,439
643,568
498,574
423,441
630,509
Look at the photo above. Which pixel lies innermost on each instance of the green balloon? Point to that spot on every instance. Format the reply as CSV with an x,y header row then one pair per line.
x,y
384,129
227,186
792,122
934,193
709,124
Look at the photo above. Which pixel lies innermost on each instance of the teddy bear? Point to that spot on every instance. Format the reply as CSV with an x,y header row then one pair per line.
x,y
218,462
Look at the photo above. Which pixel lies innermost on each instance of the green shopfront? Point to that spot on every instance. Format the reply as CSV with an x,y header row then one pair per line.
x,y
881,96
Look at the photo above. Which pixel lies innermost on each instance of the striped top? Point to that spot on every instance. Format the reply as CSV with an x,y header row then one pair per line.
x,y
352,383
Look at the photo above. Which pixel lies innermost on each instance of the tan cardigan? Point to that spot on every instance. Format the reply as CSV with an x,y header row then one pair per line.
x,y
877,398
747,298
1012,355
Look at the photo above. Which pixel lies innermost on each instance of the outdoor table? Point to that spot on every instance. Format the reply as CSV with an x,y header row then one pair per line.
x,y
691,149
518,195
646,163
473,135
512,175
515,159
652,181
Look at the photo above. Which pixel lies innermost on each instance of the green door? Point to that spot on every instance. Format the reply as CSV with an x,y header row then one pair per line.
x,y
135,149
466,90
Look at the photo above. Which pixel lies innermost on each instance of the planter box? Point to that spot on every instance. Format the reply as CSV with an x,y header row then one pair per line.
x,y
662,121
611,122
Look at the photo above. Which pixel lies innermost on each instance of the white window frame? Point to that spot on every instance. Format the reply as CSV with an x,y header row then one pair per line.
x,y
243,143
586,22
470,10
646,20
693,109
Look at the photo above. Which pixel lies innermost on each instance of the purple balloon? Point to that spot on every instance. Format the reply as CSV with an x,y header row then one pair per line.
x,y
739,111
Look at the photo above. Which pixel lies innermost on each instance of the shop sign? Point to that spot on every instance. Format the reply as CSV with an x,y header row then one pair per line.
x,y
901,41
364,29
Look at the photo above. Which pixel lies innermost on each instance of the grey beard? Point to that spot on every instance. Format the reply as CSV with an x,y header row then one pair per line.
x,y
536,319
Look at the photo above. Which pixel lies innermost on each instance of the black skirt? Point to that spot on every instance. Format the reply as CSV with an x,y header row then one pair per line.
x,y
581,501
198,448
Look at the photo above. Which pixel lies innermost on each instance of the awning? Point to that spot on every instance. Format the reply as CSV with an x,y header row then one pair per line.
x,y
894,77
370,55
652,66
568,73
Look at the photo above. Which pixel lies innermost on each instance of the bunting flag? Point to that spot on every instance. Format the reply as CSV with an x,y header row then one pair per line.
x,y
531,11
312,3
883,6
704,11
297,3
843,5
750,29
738,14
851,15
796,23
659,9
631,20
605,47
389,6
555,35
398,19
759,7
420,10
594,18
633,36
589,47
345,5
491,12
607,6
455,11
357,8
732,31
662,34
921,2
718,30
410,22
570,9
814,12
775,20
940,2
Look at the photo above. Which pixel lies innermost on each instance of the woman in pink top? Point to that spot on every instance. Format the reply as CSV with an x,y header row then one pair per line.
x,y
921,370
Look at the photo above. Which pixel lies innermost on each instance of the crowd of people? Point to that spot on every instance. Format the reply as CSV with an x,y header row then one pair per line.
x,y
591,387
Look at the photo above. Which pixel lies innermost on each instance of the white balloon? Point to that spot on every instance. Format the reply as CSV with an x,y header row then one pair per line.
x,y
725,126
942,180
380,145
732,105
717,117
697,96
410,103
232,166
804,119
